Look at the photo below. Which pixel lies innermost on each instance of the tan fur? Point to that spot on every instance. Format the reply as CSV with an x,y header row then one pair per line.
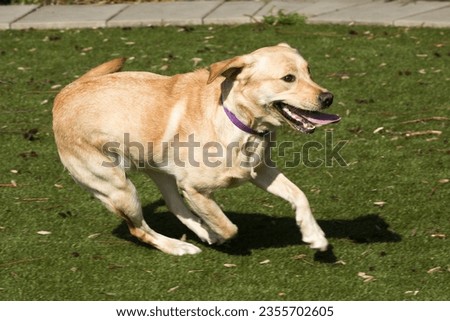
x,y
107,116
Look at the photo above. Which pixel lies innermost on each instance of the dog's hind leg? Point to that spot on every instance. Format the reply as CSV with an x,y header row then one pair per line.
x,y
111,186
169,190
271,180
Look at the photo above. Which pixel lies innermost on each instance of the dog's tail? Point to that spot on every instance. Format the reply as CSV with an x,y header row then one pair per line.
x,y
109,67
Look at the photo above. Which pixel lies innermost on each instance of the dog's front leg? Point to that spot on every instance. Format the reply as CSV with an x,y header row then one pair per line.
x,y
211,214
271,180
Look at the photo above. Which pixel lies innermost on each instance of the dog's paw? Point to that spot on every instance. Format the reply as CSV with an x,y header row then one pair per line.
x,y
186,248
176,247
208,236
316,241
213,238
313,235
320,244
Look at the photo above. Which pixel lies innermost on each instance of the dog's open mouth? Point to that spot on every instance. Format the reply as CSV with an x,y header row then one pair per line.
x,y
304,120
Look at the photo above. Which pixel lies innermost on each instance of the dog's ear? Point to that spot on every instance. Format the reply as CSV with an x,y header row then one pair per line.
x,y
222,67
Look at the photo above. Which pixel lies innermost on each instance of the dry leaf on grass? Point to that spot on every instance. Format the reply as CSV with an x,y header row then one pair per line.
x,y
196,60
35,199
31,135
264,262
12,184
422,120
366,277
229,265
434,270
422,133
173,289
302,257
44,232
93,236
412,292
379,129
379,203
439,235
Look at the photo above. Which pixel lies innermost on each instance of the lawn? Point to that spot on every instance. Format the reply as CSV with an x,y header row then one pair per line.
x,y
385,209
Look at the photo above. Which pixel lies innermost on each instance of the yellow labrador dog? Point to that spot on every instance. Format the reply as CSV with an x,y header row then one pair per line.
x,y
190,133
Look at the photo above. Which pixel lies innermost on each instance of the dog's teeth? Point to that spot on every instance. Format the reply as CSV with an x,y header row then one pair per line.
x,y
292,115
287,111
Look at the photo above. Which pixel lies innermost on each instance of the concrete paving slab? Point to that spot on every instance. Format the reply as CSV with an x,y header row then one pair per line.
x,y
67,16
273,8
399,12
234,12
9,14
378,12
308,8
164,13
437,18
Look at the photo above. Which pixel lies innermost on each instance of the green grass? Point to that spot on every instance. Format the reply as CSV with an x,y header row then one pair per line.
x,y
381,77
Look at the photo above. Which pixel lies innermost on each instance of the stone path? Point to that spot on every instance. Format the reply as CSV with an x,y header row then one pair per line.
x,y
408,13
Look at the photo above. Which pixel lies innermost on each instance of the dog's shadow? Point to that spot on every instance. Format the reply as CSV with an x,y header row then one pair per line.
x,y
258,231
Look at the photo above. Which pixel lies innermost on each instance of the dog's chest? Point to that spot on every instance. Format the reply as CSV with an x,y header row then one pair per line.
x,y
211,179
228,166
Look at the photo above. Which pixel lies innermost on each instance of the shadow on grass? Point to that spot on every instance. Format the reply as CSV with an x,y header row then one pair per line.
x,y
257,231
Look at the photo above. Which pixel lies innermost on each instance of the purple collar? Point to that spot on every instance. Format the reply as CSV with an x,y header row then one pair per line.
x,y
240,124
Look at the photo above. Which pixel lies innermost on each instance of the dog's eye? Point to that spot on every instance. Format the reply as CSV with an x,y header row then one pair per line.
x,y
289,78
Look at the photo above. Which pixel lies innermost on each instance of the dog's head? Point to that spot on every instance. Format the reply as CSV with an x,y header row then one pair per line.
x,y
274,85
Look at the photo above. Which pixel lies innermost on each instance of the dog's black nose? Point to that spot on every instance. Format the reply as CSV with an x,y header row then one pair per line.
x,y
325,99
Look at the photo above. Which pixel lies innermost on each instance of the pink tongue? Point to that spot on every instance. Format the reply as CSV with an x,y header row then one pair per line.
x,y
321,118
